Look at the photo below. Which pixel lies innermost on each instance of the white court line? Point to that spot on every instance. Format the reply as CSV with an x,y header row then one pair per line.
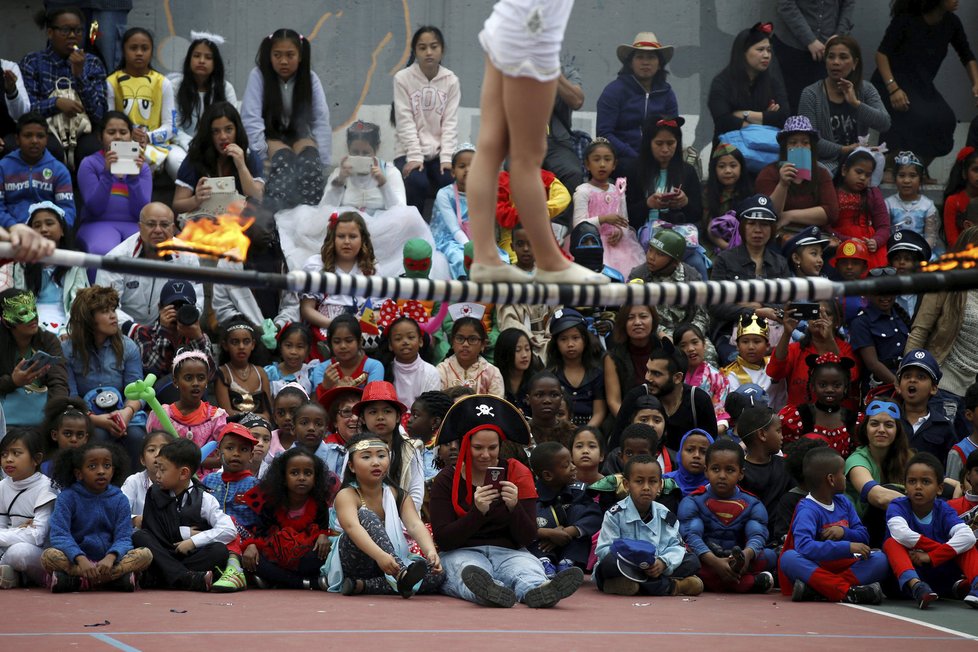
x,y
946,630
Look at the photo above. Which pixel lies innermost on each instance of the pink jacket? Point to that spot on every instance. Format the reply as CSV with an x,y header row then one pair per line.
x,y
427,114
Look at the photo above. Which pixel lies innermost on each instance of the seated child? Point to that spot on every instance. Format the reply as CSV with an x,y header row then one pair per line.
x,y
804,251
750,366
740,399
878,334
917,379
690,474
905,252
639,548
825,553
91,527
587,454
851,262
544,395
779,519
261,430
765,472
137,484
291,539
826,415
567,517
637,439
176,507
67,425
235,479
960,452
727,527
372,554
648,411
967,505
24,529
925,534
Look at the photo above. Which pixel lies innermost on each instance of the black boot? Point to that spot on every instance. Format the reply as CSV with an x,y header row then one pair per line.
x,y
311,176
280,192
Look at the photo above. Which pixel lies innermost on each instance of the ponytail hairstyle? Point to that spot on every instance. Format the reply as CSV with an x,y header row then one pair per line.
x,y
188,101
272,107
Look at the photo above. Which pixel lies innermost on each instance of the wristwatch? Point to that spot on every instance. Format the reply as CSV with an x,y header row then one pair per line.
x,y
746,116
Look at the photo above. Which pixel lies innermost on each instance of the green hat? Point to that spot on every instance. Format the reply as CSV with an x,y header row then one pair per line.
x,y
669,242
417,258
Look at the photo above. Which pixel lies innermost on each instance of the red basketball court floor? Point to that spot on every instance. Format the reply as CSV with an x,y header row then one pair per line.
x,y
35,620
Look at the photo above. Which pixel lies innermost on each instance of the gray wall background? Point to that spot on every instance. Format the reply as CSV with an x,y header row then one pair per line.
x,y
358,45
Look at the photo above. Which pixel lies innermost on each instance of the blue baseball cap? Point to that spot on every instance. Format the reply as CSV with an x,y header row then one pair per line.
x,y
810,235
921,358
563,319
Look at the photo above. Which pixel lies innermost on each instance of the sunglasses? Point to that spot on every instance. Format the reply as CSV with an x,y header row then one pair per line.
x,y
876,407
747,318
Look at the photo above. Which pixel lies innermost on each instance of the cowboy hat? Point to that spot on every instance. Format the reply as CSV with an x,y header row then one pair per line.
x,y
647,42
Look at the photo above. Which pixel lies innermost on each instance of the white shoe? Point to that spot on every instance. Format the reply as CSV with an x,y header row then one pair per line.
x,y
573,275
480,273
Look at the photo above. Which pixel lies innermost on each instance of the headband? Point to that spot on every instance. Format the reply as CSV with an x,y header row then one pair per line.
x,y
827,358
761,427
295,385
240,325
363,128
216,39
251,420
46,206
334,218
856,151
366,444
876,407
763,28
301,37
723,149
667,123
191,354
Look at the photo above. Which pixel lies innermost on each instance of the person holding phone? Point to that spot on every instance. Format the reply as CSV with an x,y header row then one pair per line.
x,y
112,200
220,149
483,525
32,368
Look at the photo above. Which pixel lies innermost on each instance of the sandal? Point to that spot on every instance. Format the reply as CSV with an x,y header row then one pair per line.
x,y
409,577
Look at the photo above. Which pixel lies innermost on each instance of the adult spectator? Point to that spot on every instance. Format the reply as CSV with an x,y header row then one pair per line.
x,y
751,259
749,90
562,157
641,90
63,58
945,325
30,174
27,379
907,60
685,407
842,107
139,295
16,102
803,28
177,327
101,361
799,202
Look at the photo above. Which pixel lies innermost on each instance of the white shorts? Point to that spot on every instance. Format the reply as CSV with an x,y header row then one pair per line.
x,y
523,38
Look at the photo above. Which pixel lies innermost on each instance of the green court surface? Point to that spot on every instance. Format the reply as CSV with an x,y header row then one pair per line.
x,y
942,614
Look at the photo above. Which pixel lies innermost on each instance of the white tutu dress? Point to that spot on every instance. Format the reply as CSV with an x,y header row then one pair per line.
x,y
523,38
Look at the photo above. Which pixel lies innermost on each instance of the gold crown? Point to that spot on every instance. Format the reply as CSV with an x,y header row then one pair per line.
x,y
752,325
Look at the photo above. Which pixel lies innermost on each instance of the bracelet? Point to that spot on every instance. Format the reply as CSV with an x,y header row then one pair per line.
x,y
898,89
890,81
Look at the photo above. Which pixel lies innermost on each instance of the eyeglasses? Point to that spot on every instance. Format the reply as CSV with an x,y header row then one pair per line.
x,y
471,340
69,31
347,413
163,226
882,271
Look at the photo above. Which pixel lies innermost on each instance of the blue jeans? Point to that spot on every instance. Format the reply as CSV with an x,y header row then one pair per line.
x,y
131,442
515,569
111,25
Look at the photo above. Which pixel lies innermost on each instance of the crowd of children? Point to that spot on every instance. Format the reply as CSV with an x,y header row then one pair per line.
x,y
495,453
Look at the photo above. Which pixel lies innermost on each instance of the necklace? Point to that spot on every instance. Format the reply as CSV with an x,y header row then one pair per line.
x,y
245,376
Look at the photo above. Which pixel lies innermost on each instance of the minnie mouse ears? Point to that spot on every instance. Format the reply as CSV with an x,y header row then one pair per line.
x,y
815,360
483,412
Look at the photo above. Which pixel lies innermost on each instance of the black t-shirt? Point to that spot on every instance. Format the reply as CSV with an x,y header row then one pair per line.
x,y
768,482
842,117
695,411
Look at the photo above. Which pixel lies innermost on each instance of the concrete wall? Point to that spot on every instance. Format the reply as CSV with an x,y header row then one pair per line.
x,y
359,44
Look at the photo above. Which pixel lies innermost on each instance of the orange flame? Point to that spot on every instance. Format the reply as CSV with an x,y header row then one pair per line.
x,y
217,237
966,259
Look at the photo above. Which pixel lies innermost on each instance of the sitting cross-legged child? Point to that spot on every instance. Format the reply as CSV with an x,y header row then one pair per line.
x,y
567,518
183,524
928,545
726,527
91,527
967,505
639,548
826,553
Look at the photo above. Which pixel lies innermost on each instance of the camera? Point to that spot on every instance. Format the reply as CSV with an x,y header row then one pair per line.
x,y
187,314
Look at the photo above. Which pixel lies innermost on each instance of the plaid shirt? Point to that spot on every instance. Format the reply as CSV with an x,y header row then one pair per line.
x,y
158,346
42,69
226,494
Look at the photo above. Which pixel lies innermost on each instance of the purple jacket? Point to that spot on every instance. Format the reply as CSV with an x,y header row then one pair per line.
x,y
111,198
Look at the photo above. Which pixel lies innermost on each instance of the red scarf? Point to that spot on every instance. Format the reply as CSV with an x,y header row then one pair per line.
x,y
204,413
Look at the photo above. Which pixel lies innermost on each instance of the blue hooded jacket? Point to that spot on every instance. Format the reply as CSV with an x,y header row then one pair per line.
x,y
624,106
90,524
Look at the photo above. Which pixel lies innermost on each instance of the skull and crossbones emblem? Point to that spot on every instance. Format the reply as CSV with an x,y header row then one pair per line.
x,y
483,410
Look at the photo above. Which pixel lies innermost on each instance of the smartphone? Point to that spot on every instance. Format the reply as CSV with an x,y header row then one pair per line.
x,y
127,151
44,358
220,185
801,158
360,164
494,476
805,311
672,193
